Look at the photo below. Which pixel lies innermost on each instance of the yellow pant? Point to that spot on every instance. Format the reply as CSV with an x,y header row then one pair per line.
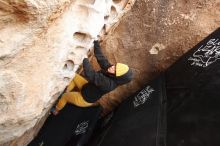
x,y
74,97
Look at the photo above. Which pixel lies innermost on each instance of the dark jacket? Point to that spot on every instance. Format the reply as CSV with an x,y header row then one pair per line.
x,y
100,82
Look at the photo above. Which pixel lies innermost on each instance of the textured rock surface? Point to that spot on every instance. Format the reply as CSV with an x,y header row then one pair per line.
x,y
42,44
153,35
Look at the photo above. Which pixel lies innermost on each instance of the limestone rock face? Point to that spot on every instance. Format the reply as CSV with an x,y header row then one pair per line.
x,y
42,43
153,35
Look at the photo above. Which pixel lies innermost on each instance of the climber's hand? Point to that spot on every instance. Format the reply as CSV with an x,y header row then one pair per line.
x,y
54,111
96,42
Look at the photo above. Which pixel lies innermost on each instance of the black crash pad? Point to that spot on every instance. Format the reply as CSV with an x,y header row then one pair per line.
x,y
193,85
139,120
183,109
71,127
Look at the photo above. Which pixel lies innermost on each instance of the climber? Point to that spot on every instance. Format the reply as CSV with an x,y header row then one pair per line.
x,y
95,84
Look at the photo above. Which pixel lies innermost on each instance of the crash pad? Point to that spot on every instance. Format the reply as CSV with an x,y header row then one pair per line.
x,y
71,127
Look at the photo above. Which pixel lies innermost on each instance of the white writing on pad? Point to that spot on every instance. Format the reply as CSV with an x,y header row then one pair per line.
x,y
142,96
206,54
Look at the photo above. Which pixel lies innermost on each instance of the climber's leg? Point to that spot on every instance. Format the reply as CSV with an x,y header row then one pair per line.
x,y
70,86
73,98
79,81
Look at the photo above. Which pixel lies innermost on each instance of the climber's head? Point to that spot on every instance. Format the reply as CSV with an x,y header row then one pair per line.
x,y
122,72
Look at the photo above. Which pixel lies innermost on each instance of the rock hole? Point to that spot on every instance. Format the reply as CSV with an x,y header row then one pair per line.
x,y
78,56
113,11
66,79
69,65
104,31
106,17
116,1
2,96
72,53
81,37
80,48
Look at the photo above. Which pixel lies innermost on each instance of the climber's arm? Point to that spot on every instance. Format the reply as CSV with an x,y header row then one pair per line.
x,y
102,60
97,78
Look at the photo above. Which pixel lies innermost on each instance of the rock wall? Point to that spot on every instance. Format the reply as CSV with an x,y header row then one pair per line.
x,y
42,43
153,35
